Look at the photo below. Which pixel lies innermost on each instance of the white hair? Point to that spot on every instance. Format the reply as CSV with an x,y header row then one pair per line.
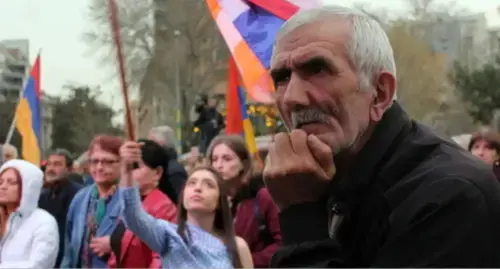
x,y
165,134
369,48
82,159
12,149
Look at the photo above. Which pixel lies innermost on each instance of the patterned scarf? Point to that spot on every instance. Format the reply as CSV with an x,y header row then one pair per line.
x,y
95,214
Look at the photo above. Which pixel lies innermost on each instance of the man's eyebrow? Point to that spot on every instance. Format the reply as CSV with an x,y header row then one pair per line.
x,y
316,60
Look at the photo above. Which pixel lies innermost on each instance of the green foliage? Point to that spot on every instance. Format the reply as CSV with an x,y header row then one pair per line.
x,y
479,88
80,117
7,110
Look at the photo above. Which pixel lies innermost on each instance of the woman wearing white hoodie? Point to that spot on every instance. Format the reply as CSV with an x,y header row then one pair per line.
x,y
28,235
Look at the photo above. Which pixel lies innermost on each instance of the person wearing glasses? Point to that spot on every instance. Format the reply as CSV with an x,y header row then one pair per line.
x,y
94,212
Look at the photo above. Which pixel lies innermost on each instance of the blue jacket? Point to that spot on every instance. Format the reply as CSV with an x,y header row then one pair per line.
x,y
76,224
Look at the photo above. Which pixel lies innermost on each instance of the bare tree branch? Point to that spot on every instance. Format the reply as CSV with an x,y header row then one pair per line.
x,y
136,31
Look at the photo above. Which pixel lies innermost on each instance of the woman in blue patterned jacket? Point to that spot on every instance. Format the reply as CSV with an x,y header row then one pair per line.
x,y
203,237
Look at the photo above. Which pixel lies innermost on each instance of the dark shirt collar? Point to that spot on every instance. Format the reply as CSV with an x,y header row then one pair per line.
x,y
386,137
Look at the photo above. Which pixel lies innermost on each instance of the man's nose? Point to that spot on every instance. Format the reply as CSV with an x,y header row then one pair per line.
x,y
296,94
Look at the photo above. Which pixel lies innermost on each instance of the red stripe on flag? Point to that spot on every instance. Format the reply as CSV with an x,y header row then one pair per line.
x,y
280,8
234,119
35,74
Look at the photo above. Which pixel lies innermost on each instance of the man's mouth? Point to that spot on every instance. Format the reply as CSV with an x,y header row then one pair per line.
x,y
302,124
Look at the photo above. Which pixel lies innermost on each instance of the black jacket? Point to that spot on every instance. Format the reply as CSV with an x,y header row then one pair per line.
x,y
56,199
177,175
410,199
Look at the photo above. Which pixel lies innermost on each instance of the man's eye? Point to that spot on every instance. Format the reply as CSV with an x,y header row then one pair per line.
x,y
281,76
282,79
316,69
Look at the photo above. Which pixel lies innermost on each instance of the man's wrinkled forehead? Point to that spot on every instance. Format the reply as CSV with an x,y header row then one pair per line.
x,y
325,32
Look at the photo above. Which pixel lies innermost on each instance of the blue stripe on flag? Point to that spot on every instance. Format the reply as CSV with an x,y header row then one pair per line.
x,y
259,28
34,104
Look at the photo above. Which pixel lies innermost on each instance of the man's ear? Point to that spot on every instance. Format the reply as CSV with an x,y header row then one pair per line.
x,y
385,89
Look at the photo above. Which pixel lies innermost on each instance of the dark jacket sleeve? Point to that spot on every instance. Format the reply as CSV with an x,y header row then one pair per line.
x,y
261,259
304,231
443,224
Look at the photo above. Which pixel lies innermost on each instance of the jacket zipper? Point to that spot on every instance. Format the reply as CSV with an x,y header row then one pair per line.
x,y
336,219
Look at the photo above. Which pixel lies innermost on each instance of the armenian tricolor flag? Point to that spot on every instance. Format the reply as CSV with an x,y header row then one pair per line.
x,y
28,119
249,28
237,121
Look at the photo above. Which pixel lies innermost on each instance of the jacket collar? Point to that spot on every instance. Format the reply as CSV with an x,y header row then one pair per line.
x,y
152,198
384,141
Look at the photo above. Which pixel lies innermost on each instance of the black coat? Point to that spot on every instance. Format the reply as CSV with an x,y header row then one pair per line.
x,y
176,176
410,199
56,199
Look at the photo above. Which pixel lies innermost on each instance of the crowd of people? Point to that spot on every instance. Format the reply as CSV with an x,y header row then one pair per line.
x,y
168,220
355,182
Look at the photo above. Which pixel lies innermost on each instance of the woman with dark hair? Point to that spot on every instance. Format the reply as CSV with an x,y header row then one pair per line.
x,y
255,214
94,211
128,250
485,145
204,236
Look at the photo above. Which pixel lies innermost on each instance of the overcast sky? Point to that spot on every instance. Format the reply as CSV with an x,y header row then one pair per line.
x,y
55,27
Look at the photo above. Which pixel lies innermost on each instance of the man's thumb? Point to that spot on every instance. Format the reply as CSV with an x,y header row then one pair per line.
x,y
322,154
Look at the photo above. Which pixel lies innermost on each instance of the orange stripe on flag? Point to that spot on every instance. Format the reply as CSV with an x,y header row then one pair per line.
x,y
251,69
30,149
249,136
214,7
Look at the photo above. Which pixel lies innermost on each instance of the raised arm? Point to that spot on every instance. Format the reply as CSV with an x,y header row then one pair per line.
x,y
156,233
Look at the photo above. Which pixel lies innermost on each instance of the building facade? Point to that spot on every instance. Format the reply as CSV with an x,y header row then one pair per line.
x,y
14,64
14,67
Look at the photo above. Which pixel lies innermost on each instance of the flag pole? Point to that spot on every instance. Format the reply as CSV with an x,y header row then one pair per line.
x,y
21,94
178,117
115,29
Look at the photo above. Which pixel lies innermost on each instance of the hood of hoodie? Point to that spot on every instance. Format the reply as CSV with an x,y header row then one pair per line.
x,y
32,182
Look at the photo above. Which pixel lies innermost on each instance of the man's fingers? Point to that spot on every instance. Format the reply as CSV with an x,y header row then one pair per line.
x,y
282,145
298,139
271,155
322,153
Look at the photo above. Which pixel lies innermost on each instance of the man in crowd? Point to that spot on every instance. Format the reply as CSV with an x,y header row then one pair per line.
x,y
360,184
9,152
81,167
59,190
165,136
208,119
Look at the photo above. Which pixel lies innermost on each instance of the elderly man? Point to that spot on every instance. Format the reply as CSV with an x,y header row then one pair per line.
x,y
165,136
360,184
9,152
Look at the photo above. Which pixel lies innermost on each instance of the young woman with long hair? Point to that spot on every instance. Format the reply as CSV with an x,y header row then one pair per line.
x,y
203,236
255,214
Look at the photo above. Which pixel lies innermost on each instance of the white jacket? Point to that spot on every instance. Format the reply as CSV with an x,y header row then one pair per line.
x,y
32,238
